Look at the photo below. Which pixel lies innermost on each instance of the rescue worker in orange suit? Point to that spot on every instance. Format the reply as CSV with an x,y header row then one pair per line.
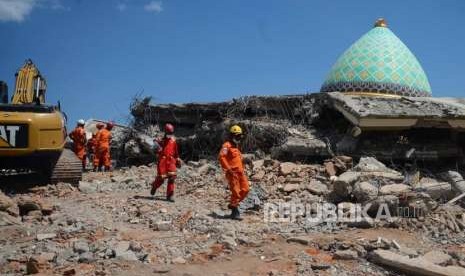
x,y
230,158
103,147
96,161
168,161
78,135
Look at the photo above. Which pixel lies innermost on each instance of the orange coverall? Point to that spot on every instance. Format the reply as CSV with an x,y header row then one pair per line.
x,y
168,155
78,135
103,139
230,158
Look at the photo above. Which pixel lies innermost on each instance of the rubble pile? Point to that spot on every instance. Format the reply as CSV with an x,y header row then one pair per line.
x,y
110,220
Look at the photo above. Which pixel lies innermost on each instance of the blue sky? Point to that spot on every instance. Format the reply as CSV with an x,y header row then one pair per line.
x,y
97,54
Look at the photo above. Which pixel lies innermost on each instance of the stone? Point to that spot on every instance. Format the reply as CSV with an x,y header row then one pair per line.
x,y
395,189
127,256
437,257
86,257
6,219
135,246
46,208
317,188
287,168
87,187
289,188
258,176
27,204
81,246
121,247
413,266
456,180
5,202
345,255
436,190
365,191
205,169
36,264
343,185
48,256
300,240
228,241
370,164
13,210
329,168
179,260
45,236
162,269
162,226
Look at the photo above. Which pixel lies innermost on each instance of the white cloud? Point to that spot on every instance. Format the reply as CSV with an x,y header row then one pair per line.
x,y
154,6
16,10
121,7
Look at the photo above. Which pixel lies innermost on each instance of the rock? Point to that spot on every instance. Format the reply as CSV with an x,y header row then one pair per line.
x,y
329,168
435,189
205,169
437,257
81,246
121,247
49,256
345,255
365,191
36,264
27,204
228,241
258,176
162,226
408,251
364,222
395,189
287,168
456,180
370,164
86,257
135,246
317,188
5,202
343,185
45,236
13,210
289,188
300,239
161,269
6,219
87,187
127,256
179,260
46,208
391,201
415,266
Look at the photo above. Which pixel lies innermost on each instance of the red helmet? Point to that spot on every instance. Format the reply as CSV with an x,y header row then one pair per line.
x,y
169,128
110,125
99,125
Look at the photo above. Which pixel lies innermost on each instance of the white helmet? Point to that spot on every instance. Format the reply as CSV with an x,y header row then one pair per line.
x,y
81,122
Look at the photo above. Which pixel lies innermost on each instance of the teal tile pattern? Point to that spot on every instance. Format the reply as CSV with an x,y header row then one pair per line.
x,y
378,62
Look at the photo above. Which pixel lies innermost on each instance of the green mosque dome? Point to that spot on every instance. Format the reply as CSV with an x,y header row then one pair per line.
x,y
379,62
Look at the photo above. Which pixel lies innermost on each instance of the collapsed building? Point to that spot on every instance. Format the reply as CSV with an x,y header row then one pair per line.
x,y
376,101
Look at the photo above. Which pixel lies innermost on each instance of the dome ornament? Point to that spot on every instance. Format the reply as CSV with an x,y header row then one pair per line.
x,y
381,22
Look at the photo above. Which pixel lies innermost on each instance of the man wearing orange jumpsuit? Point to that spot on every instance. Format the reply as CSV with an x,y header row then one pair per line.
x,y
230,158
103,147
168,161
78,135
96,161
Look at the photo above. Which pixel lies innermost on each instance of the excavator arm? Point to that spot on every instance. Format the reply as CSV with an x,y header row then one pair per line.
x,y
30,86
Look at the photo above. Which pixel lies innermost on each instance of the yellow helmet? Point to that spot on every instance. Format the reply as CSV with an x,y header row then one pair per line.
x,y
236,130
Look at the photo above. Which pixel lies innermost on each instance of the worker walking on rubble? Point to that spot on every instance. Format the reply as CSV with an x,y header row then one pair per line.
x,y
96,161
230,158
168,161
103,147
78,135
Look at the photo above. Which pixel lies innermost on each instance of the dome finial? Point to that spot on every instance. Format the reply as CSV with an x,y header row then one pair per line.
x,y
381,22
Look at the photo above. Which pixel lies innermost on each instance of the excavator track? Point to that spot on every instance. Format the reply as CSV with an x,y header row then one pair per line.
x,y
67,169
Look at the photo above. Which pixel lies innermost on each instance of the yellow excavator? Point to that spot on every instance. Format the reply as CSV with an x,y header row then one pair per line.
x,y
32,133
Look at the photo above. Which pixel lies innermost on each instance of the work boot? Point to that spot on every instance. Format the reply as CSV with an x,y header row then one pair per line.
x,y
153,190
170,198
235,214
